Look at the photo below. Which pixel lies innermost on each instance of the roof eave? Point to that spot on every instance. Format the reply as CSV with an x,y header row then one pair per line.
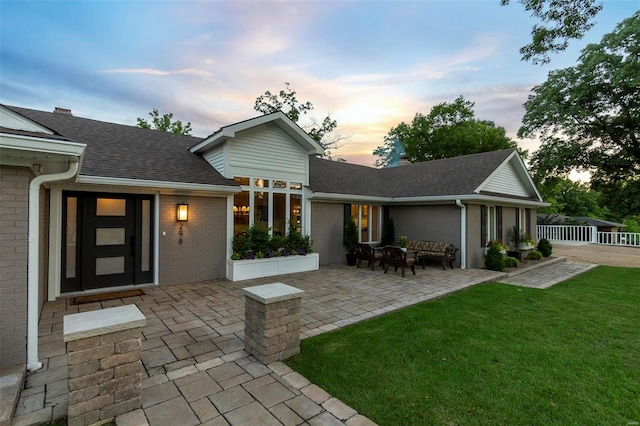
x,y
330,197
278,118
208,189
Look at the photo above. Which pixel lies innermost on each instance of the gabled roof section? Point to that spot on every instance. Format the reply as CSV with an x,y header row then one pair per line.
x,y
278,118
13,122
454,177
511,178
126,153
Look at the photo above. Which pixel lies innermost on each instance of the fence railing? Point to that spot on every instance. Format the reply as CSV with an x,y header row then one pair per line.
x,y
587,234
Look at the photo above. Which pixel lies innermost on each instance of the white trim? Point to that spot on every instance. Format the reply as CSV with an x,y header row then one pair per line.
x,y
157,184
463,234
346,198
43,145
28,123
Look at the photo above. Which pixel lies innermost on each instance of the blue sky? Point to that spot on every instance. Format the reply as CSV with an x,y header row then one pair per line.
x,y
370,64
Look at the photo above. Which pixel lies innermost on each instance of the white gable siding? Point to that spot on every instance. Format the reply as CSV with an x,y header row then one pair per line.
x,y
11,120
267,151
507,181
215,157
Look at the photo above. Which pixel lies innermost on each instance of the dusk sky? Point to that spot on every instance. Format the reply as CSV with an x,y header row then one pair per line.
x,y
370,64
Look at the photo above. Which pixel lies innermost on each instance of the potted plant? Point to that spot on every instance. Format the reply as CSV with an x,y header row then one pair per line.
x,y
526,242
402,242
350,240
256,254
514,238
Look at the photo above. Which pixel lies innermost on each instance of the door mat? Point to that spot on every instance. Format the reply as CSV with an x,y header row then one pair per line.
x,y
92,298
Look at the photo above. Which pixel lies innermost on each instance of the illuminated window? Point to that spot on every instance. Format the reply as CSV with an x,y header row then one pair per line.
x,y
273,203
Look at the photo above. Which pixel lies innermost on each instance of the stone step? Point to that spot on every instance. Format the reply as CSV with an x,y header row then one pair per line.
x,y
11,383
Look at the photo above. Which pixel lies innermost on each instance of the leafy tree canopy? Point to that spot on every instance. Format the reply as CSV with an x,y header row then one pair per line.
x,y
163,123
449,130
560,21
571,198
287,102
588,118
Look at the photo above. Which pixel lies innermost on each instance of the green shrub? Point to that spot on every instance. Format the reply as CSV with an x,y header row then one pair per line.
x,y
511,262
388,232
257,243
534,255
494,260
545,247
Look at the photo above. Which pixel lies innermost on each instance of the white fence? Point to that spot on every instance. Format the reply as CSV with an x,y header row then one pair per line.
x,y
587,234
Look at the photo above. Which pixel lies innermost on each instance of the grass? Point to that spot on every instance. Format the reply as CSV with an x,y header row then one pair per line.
x,y
493,355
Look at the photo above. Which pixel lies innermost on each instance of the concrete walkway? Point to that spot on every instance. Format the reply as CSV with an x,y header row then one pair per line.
x,y
548,275
195,369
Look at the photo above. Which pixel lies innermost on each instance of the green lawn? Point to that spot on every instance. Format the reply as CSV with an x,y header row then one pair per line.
x,y
493,354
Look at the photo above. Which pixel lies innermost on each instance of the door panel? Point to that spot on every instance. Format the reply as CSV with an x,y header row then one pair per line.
x,y
108,240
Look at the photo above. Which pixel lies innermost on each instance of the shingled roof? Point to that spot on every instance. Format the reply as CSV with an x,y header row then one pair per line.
x,y
451,176
127,152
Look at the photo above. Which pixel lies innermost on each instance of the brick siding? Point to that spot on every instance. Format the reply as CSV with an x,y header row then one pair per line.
x,y
14,209
326,232
202,254
431,223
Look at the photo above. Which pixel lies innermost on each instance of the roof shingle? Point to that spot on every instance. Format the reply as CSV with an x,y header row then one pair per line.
x,y
119,151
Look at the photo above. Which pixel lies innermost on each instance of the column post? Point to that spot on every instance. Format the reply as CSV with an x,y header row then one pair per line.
x,y
105,368
272,321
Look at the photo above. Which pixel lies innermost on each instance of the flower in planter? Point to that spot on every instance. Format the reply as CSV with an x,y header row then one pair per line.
x,y
403,241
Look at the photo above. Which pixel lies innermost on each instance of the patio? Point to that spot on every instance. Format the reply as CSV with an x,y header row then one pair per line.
x,y
195,369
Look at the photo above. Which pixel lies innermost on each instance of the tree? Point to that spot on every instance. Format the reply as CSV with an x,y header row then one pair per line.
x,y
449,130
562,20
163,123
588,118
571,198
287,102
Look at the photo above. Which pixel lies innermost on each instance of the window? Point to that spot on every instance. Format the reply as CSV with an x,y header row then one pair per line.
x,y
522,221
368,219
273,203
490,224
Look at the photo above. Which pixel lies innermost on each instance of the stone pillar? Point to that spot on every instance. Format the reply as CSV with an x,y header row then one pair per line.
x,y
272,322
105,370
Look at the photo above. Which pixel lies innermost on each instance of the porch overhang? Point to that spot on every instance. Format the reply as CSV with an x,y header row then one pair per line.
x,y
164,187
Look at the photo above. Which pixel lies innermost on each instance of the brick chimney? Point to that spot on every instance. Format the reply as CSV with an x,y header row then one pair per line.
x,y
61,110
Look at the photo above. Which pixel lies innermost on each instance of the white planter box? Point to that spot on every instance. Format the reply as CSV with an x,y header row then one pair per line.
x,y
525,246
238,270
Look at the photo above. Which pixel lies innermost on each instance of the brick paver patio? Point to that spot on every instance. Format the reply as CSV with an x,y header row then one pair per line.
x,y
195,368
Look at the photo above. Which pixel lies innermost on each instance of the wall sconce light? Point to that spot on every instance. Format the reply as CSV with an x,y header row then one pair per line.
x,y
182,212
182,215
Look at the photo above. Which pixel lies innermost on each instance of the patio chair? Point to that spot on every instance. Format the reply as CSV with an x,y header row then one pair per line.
x,y
368,253
398,258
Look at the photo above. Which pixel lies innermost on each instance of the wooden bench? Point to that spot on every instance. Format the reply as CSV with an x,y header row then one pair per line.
x,y
396,257
432,250
368,253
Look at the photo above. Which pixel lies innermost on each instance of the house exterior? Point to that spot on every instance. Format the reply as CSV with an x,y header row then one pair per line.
x,y
88,206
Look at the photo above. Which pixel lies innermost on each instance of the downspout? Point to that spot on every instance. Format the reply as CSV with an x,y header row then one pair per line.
x,y
34,259
463,234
